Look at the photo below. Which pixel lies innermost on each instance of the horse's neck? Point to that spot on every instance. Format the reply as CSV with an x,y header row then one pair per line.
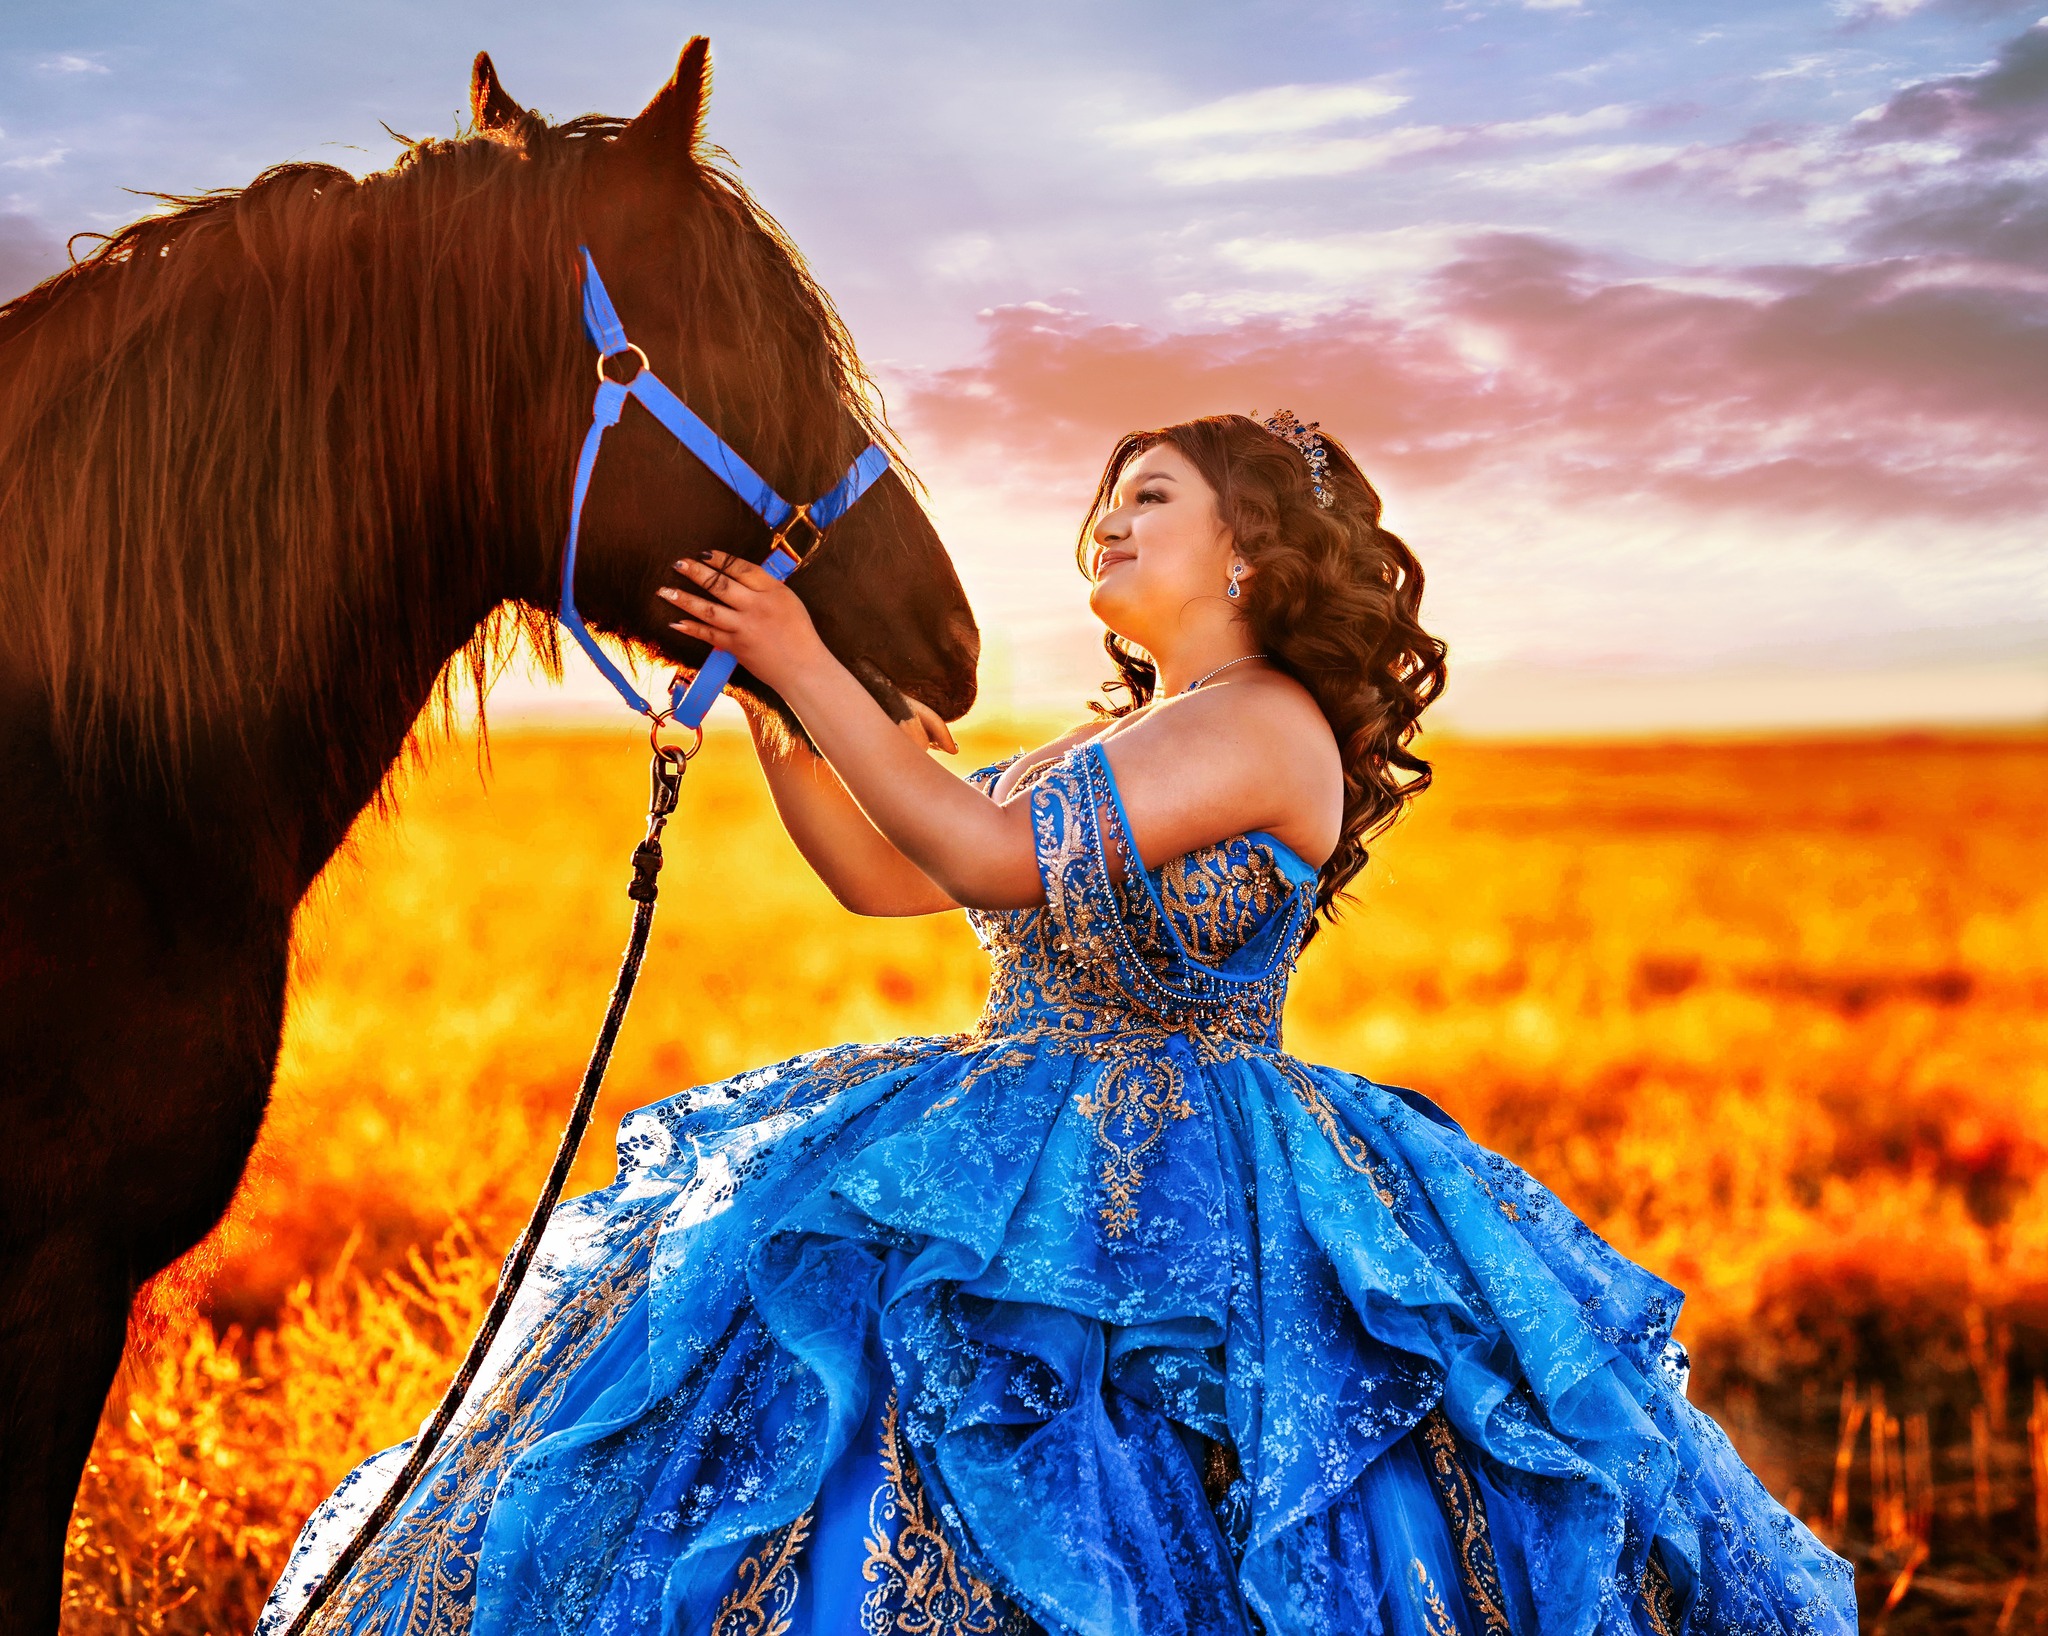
x,y
296,773
268,802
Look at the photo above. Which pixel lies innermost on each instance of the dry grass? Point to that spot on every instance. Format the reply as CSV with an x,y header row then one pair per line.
x,y
1774,1017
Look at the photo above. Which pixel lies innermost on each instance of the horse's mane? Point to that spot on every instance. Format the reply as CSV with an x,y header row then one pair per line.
x,y
240,416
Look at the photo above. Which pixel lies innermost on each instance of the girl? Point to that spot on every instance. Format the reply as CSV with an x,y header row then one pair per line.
x,y
1107,1318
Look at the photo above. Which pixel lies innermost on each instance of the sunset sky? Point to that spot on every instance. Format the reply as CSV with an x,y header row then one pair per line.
x,y
1700,350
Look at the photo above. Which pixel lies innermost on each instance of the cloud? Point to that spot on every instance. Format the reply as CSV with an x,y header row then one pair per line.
x,y
1341,156
1191,164
1992,220
1864,12
1814,65
1571,169
1946,167
1846,393
1886,11
1274,109
2001,112
48,159
71,62
1905,379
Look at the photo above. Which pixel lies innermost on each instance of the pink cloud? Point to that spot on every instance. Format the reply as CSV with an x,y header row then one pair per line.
x,y
1913,382
1860,391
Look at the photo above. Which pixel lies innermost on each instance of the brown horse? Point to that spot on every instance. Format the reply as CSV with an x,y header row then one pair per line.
x,y
271,463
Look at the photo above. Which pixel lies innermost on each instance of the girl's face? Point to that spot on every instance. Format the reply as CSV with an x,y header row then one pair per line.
x,y
1161,549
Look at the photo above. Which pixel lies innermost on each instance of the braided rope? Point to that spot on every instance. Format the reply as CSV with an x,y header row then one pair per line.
x,y
666,776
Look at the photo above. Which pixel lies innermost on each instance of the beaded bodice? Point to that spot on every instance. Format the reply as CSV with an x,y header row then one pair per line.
x,y
1199,947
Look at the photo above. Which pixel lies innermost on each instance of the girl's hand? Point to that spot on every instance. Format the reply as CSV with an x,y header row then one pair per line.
x,y
761,622
735,606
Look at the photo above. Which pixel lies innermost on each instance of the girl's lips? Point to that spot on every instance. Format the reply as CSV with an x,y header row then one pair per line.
x,y
1109,560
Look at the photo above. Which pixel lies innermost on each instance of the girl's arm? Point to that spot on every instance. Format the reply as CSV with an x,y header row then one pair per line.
x,y
1198,771
971,850
852,857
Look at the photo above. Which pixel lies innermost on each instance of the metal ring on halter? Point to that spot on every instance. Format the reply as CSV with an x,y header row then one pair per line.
x,y
662,718
798,514
604,358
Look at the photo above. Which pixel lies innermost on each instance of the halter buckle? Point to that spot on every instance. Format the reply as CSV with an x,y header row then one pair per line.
x,y
780,538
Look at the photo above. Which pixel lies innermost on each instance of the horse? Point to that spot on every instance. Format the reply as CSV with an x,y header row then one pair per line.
x,y
282,469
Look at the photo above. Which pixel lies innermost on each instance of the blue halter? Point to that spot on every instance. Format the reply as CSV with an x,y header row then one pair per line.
x,y
687,706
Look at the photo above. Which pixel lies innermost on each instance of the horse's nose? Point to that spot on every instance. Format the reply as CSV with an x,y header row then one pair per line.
x,y
966,639
962,658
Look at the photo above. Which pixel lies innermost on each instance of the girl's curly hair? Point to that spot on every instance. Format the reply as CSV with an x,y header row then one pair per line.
x,y
1333,598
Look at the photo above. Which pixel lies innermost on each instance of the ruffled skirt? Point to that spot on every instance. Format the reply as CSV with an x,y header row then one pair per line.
x,y
959,1338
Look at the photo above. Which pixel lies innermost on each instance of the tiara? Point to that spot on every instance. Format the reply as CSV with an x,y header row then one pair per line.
x,y
1308,439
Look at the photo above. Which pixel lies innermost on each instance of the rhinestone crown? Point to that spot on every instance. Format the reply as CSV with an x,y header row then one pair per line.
x,y
1308,439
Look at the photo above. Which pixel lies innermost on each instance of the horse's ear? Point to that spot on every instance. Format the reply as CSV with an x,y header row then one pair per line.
x,y
668,127
492,112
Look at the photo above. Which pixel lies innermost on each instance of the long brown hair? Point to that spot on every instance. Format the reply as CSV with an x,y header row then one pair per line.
x,y
202,419
1333,598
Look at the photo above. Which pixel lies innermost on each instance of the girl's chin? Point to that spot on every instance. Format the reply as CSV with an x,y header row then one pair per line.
x,y
1107,619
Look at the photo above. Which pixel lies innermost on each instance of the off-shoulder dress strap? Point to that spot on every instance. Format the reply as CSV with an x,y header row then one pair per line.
x,y
1105,909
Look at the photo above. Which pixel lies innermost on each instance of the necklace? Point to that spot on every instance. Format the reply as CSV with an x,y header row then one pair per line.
x,y
1242,658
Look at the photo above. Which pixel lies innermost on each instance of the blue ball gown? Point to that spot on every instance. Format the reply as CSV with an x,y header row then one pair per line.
x,y
1108,1318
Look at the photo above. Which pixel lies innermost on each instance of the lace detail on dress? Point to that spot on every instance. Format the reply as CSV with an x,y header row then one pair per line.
x,y
1660,1601
1436,1618
427,1557
1132,1104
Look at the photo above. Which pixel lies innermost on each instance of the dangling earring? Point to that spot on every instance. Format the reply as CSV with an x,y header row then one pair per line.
x,y
1231,589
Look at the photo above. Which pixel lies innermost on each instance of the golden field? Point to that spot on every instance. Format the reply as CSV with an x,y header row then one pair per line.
x,y
1773,1016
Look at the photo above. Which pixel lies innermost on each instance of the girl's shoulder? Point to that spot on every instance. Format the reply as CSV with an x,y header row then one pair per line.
x,y
1269,712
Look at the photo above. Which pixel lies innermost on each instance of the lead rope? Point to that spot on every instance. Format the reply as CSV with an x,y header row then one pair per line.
x,y
666,778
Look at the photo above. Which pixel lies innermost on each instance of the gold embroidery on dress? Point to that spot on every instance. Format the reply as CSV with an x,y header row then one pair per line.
x,y
423,1550
765,1586
1055,970
1216,901
1221,1471
1098,972
911,1564
1436,1618
1465,1511
1131,1105
1505,1206
839,1070
1660,1599
1351,1149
